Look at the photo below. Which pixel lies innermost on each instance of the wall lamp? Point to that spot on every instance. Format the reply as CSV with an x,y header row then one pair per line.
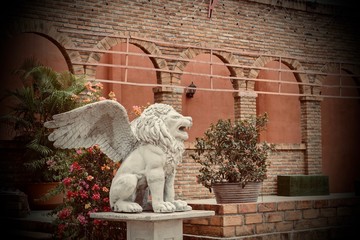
x,y
190,90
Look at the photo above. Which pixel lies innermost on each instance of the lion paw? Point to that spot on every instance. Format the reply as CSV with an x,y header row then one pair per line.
x,y
164,207
130,207
181,206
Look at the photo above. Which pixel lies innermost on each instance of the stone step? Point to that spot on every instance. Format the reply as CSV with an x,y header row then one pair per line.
x,y
36,225
28,235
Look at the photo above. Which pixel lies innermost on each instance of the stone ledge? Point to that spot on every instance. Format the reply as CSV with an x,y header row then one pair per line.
x,y
153,226
150,216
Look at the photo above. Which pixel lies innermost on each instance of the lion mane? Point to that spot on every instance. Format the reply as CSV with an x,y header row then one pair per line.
x,y
151,128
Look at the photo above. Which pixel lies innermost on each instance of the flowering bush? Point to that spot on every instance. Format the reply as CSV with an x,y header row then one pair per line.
x,y
58,162
230,152
86,176
87,187
137,110
44,93
94,93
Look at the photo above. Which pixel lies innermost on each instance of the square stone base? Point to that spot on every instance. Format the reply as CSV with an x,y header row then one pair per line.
x,y
153,226
302,185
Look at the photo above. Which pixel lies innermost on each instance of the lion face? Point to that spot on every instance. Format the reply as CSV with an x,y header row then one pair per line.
x,y
177,125
161,125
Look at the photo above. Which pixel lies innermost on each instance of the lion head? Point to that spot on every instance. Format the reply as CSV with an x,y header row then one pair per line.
x,y
161,125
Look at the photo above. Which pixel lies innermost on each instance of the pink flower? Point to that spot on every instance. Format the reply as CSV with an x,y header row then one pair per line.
x,y
99,85
82,219
89,178
107,209
84,184
83,194
71,194
105,189
96,196
67,181
88,85
105,167
95,187
97,222
75,166
137,110
64,213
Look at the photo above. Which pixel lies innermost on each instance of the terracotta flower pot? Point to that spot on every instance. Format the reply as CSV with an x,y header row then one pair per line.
x,y
36,191
234,193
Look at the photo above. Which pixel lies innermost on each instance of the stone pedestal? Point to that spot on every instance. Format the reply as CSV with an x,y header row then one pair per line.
x,y
153,226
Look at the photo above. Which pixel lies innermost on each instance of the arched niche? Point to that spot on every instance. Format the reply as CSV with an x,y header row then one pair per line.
x,y
129,83
18,48
281,104
207,107
340,129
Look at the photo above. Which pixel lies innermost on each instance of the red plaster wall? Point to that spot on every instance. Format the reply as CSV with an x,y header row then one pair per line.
x,y
340,124
207,107
283,111
128,95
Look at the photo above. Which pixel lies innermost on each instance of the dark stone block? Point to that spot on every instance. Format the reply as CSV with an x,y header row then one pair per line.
x,y
302,185
13,203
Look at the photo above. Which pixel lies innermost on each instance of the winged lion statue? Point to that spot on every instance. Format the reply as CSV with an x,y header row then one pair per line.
x,y
149,148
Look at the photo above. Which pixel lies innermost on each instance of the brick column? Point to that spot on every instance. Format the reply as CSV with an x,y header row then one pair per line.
x,y
245,104
171,96
311,133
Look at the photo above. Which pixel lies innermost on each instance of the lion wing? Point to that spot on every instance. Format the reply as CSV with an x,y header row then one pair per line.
x,y
104,123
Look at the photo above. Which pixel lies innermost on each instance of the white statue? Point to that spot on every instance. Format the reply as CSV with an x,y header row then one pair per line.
x,y
150,147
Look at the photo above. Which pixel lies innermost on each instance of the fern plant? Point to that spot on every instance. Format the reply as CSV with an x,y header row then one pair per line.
x,y
44,92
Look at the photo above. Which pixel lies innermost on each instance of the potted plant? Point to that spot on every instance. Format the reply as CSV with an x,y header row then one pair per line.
x,y
44,92
231,158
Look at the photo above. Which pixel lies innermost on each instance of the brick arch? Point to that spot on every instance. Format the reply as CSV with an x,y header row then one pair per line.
x,y
291,63
148,47
329,68
336,68
226,57
48,31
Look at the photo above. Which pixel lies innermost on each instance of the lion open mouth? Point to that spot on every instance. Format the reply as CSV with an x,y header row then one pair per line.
x,y
178,125
182,130
184,126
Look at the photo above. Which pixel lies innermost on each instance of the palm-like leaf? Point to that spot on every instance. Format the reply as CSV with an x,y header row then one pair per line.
x,y
44,93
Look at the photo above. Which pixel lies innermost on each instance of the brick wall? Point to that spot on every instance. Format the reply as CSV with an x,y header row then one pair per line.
x,y
244,25
292,219
303,36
